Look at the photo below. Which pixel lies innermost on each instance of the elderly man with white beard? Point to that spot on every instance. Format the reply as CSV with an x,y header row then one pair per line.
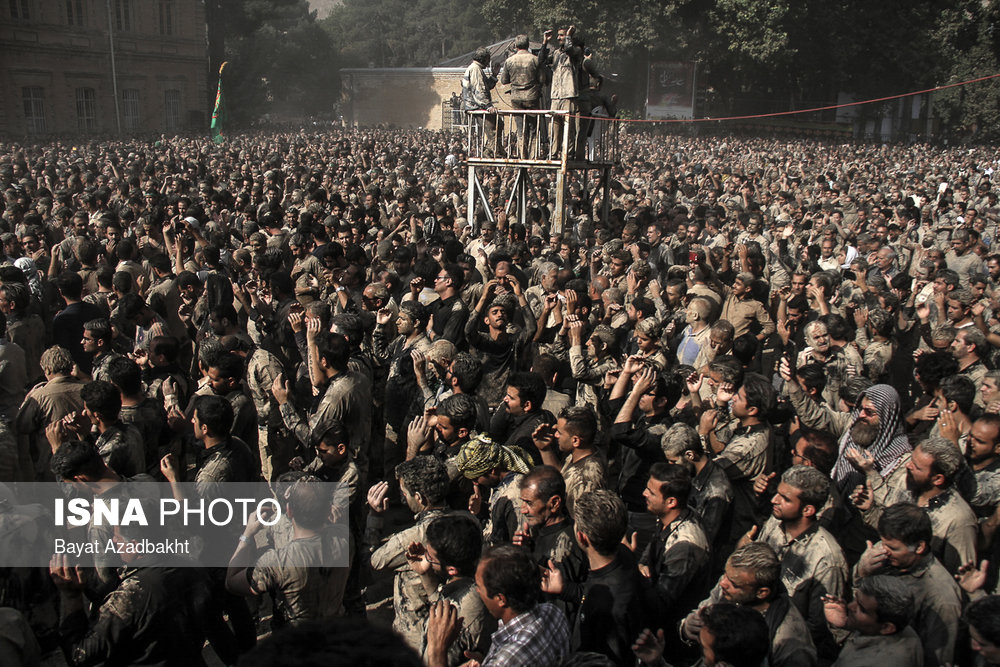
x,y
835,364
874,444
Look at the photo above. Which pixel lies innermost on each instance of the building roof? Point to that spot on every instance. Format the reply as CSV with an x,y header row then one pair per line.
x,y
498,53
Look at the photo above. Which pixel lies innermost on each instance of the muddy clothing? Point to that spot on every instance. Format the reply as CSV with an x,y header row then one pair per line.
x,y
902,648
229,461
749,453
938,604
711,498
976,372
835,366
150,419
747,315
499,356
410,601
954,524
812,565
817,415
156,616
477,623
347,398
522,73
275,445
100,365
558,544
476,87
28,331
164,298
504,511
302,588
401,389
584,476
677,558
122,449
45,403
877,356
244,413
791,645
589,374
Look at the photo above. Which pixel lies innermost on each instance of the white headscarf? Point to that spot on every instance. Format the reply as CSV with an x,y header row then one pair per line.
x,y
32,273
852,254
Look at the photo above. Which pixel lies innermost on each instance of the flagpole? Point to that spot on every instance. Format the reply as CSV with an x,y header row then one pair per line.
x,y
217,113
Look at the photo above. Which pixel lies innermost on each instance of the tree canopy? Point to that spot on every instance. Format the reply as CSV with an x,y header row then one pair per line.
x,y
757,55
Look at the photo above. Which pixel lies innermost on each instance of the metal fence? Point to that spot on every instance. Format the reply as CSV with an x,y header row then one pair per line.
x,y
542,138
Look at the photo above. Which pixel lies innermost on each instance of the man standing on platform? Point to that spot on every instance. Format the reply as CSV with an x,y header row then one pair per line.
x,y
523,74
476,96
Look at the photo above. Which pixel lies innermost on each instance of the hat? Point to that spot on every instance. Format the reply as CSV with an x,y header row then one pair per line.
x,y
482,454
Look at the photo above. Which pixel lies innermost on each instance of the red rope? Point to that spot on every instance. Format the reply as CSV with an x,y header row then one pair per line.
x,y
790,113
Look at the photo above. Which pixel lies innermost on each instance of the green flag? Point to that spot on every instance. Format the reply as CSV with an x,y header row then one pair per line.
x,y
219,114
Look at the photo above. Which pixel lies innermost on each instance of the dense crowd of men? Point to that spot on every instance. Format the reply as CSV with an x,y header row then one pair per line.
x,y
751,416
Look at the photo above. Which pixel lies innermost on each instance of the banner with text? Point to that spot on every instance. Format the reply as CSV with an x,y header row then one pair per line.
x,y
670,92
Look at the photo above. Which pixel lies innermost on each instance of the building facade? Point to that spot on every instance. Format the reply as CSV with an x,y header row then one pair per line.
x,y
72,67
415,97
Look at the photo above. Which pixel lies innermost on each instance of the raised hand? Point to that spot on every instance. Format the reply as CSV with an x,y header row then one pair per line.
x,y
649,647
971,578
873,559
835,610
476,500
543,437
378,497
761,482
860,459
552,579
694,382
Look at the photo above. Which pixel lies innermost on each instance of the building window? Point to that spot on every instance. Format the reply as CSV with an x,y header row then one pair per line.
x,y
86,110
34,109
130,108
123,15
74,13
166,17
19,10
172,107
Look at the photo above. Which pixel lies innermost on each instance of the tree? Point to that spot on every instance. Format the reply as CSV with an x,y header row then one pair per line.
x,y
971,46
403,33
280,60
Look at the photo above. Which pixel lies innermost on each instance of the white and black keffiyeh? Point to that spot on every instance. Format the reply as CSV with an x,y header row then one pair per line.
x,y
891,443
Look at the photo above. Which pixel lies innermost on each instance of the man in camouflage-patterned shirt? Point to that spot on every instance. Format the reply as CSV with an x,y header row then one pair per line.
x,y
585,468
423,483
348,398
446,562
120,444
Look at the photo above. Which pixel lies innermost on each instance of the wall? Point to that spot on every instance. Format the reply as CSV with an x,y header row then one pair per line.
x,y
48,49
404,97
